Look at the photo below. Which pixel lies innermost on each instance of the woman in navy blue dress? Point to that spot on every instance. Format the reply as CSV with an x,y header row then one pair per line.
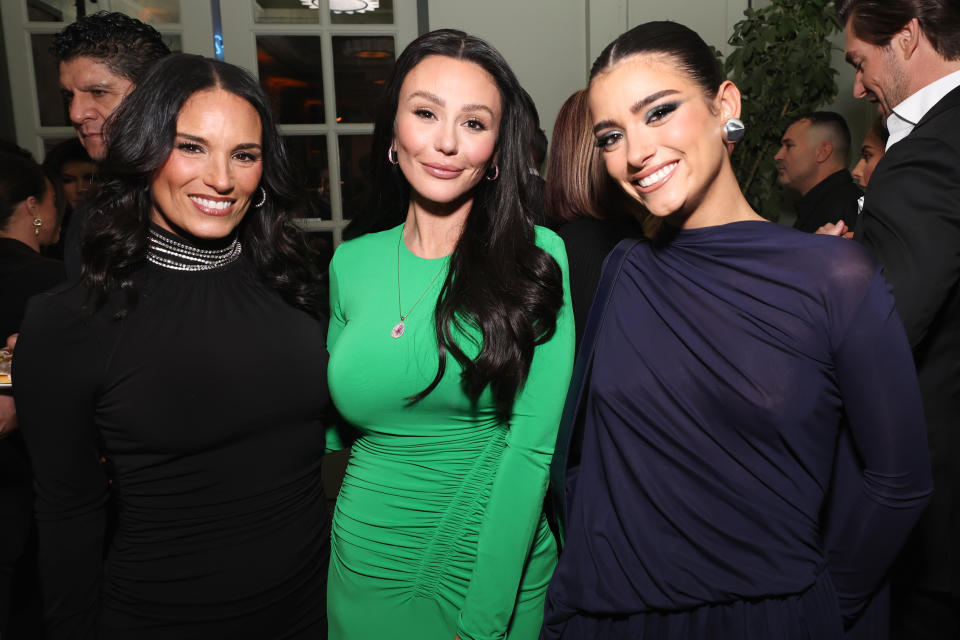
x,y
729,350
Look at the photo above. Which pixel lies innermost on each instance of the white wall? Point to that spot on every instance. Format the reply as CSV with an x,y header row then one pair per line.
x,y
550,44
543,40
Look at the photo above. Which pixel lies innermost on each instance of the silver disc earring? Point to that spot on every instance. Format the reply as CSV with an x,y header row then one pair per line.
x,y
733,130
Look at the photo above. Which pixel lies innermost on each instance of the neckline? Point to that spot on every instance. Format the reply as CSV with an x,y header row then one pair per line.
x,y
173,252
406,250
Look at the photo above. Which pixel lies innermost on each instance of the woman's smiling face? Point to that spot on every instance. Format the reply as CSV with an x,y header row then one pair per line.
x,y
659,133
445,132
205,186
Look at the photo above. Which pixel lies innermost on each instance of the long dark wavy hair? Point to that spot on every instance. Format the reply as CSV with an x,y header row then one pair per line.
x,y
499,281
140,137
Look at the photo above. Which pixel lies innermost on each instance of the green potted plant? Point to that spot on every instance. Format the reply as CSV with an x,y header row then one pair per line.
x,y
781,62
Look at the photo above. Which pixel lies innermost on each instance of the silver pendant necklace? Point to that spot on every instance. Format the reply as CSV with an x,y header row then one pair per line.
x,y
398,328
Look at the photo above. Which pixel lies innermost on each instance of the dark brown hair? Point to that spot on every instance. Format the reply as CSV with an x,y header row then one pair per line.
x,y
877,21
576,180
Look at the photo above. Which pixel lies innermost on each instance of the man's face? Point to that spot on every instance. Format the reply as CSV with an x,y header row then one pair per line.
x,y
797,158
881,76
93,92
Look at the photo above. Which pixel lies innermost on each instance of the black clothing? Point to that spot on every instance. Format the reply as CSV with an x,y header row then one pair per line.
x,y
911,224
833,198
207,399
588,241
23,274
72,239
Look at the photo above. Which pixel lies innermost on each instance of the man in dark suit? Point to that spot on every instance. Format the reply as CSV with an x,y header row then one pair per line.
x,y
907,59
812,160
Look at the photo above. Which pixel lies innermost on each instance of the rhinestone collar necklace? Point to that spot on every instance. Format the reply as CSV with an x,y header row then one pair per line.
x,y
179,256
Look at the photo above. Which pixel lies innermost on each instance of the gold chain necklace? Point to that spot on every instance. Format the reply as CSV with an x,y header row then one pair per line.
x,y
398,328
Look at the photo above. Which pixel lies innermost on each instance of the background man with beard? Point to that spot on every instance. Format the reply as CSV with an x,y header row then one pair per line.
x,y
907,59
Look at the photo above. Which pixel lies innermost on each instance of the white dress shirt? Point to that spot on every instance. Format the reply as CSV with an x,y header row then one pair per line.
x,y
908,113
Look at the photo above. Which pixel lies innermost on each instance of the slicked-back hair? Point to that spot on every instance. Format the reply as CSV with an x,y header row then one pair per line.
x,y
140,137
499,281
671,39
877,21
834,125
127,46
20,178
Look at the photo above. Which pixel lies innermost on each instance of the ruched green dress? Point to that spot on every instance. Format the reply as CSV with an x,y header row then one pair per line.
x,y
439,528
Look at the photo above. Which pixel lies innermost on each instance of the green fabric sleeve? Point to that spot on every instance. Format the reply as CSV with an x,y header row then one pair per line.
x,y
335,436
514,510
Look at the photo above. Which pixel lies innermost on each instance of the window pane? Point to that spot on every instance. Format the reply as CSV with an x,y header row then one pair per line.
x,y
309,155
355,183
286,12
361,11
289,69
322,243
149,11
53,109
361,65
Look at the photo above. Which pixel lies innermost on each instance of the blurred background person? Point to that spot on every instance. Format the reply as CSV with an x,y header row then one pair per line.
x,y
812,161
871,152
29,221
71,163
591,215
192,355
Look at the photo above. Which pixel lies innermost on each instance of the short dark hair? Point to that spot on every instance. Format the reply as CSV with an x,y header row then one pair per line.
x,y
20,178
140,137
877,21
671,39
125,45
835,126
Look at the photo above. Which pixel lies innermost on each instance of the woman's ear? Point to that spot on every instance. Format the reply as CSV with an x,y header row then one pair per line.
x,y
727,102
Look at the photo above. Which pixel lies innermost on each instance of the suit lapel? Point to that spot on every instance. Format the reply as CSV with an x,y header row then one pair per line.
x,y
948,101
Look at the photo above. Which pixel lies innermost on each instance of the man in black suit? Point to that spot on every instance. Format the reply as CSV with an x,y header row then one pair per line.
x,y
907,59
812,160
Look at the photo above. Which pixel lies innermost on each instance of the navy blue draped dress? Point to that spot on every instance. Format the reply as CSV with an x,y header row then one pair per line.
x,y
725,362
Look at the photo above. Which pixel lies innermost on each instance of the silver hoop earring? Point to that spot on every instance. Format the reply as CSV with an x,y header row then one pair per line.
x,y
496,173
392,155
37,223
733,130
263,198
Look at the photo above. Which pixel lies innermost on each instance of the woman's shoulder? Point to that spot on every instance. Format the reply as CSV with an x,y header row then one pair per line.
x,y
548,240
358,250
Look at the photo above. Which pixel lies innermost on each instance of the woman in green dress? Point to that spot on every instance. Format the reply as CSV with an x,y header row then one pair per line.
x,y
451,346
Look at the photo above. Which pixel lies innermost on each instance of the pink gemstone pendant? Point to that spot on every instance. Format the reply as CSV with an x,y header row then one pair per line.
x,y
397,330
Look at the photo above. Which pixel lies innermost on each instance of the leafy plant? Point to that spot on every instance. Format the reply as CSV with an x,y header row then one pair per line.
x,y
781,63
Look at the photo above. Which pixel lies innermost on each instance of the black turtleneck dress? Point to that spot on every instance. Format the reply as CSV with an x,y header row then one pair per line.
x,y
207,401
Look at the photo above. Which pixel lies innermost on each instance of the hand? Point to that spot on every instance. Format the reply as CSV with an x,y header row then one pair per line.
x,y
8,414
12,341
839,229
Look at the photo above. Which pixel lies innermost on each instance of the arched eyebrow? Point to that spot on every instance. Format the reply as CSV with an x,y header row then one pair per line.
x,y
440,102
240,147
637,107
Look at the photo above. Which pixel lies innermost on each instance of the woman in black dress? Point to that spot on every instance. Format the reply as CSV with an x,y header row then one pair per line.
x,y
192,356
728,350
29,221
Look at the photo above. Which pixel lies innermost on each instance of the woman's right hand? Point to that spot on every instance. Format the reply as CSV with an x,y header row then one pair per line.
x,y
839,228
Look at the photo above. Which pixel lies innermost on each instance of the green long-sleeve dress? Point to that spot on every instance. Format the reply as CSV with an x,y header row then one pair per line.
x,y
439,528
